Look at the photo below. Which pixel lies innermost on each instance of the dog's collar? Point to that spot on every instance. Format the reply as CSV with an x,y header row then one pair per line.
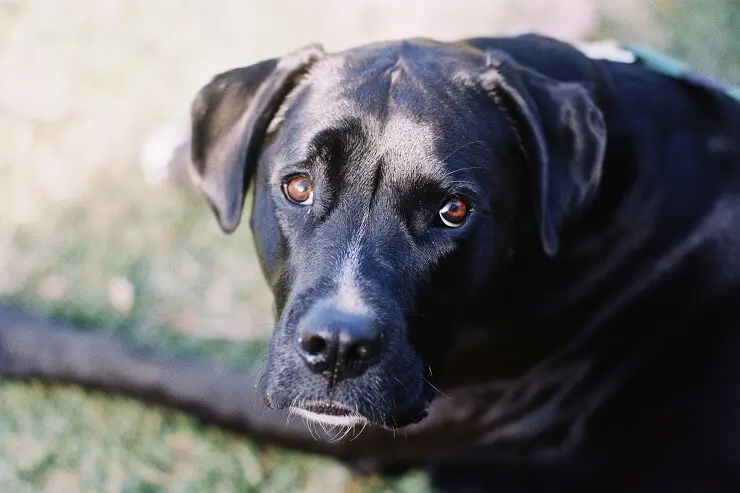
x,y
673,67
658,62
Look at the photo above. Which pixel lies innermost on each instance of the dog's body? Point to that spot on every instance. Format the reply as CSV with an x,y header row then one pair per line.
x,y
549,242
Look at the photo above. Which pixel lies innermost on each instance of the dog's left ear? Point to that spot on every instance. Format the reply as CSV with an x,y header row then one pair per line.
x,y
230,117
563,134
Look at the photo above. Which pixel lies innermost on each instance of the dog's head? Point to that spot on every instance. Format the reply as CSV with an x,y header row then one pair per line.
x,y
390,183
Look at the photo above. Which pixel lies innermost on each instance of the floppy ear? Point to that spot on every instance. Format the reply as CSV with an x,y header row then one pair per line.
x,y
230,117
563,134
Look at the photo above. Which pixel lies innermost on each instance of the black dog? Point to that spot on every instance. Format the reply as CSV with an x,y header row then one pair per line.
x,y
543,247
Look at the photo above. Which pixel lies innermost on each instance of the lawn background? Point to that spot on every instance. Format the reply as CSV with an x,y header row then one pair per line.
x,y
89,89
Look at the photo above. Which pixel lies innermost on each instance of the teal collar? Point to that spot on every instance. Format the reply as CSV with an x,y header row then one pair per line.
x,y
665,64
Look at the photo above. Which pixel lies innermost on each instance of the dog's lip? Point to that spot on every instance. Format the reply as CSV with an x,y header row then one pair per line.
x,y
327,409
329,414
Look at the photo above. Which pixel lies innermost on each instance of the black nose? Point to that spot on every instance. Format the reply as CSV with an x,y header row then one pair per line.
x,y
338,344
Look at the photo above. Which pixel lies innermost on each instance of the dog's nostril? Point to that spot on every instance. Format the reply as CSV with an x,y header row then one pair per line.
x,y
313,344
361,351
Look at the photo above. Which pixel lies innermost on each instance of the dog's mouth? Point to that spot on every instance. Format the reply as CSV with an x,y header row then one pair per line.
x,y
331,414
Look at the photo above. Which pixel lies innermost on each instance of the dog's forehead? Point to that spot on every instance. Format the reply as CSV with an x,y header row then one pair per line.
x,y
411,77
408,98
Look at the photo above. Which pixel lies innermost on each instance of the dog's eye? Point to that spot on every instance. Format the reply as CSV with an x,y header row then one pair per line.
x,y
298,189
454,212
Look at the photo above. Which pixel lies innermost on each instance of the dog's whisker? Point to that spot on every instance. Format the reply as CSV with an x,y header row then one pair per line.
x,y
289,415
463,146
469,168
463,184
364,425
315,427
310,430
436,388
346,432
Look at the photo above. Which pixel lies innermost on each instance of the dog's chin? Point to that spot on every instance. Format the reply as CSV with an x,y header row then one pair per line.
x,y
394,408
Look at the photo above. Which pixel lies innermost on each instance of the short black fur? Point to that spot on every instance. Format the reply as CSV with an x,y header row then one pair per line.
x,y
580,331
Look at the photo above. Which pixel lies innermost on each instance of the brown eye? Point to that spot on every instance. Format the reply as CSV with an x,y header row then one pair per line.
x,y
454,211
298,189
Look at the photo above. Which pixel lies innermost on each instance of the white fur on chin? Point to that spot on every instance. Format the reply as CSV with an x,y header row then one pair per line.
x,y
328,419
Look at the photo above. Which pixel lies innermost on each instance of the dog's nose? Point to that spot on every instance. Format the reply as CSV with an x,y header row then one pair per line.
x,y
338,344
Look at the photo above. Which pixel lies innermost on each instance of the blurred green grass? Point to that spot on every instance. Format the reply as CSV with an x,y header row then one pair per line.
x,y
83,236
89,441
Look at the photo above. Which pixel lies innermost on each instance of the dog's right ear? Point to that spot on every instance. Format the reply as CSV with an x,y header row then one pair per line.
x,y
230,117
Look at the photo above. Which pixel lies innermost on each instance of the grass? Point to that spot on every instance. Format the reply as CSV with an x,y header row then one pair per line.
x,y
85,237
90,441
702,32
